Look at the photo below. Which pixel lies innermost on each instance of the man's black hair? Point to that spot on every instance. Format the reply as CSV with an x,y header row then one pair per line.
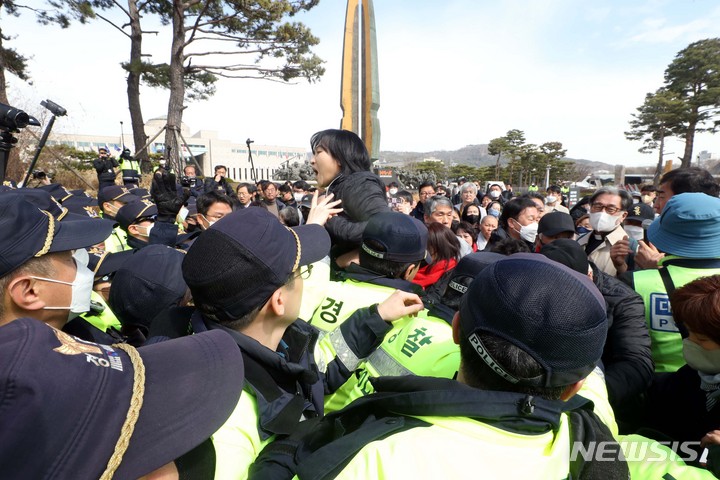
x,y
301,184
513,208
536,195
648,188
509,246
426,184
267,184
208,199
405,195
478,374
250,187
691,180
218,167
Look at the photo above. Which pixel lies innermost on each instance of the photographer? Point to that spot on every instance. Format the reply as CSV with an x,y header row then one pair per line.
x,y
190,181
130,169
41,177
105,167
219,182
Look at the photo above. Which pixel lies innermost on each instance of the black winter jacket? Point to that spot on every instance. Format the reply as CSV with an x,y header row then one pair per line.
x,y
223,186
362,195
627,356
676,407
105,168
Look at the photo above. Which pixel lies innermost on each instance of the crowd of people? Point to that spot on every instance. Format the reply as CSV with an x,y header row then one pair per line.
x,y
202,328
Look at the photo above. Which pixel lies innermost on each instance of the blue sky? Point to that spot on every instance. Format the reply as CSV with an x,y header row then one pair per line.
x,y
452,73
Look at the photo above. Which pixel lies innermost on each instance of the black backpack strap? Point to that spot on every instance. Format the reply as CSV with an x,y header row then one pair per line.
x,y
669,289
322,448
330,460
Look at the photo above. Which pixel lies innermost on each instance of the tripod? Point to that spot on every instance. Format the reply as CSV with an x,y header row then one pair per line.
x,y
253,175
7,141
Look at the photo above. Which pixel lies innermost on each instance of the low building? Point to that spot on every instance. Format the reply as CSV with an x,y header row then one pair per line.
x,y
204,146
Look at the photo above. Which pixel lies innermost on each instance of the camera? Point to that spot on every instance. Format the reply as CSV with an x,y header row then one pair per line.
x,y
39,175
54,108
15,119
188,182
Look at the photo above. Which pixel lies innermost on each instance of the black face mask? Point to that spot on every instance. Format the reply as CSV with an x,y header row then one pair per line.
x,y
472,218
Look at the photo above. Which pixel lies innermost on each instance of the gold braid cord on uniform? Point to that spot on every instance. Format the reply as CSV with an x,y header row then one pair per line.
x,y
136,402
49,237
299,249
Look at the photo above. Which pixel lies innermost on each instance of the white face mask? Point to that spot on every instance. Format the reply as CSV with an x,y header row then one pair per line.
x,y
147,230
706,361
298,196
494,193
634,231
210,223
81,286
603,222
528,232
550,199
393,191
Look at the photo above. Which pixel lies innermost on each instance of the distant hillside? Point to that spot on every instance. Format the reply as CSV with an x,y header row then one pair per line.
x,y
475,155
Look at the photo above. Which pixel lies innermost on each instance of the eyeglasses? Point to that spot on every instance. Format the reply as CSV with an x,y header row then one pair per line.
x,y
304,273
599,207
427,194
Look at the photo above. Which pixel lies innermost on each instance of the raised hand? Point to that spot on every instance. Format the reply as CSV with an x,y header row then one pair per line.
x,y
399,305
322,209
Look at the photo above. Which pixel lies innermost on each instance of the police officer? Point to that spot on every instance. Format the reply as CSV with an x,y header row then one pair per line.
x,y
250,286
137,219
110,200
393,245
43,272
130,169
95,324
688,232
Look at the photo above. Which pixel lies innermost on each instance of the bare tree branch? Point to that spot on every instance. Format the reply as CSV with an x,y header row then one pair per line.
x,y
113,25
237,52
195,27
125,11
218,20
